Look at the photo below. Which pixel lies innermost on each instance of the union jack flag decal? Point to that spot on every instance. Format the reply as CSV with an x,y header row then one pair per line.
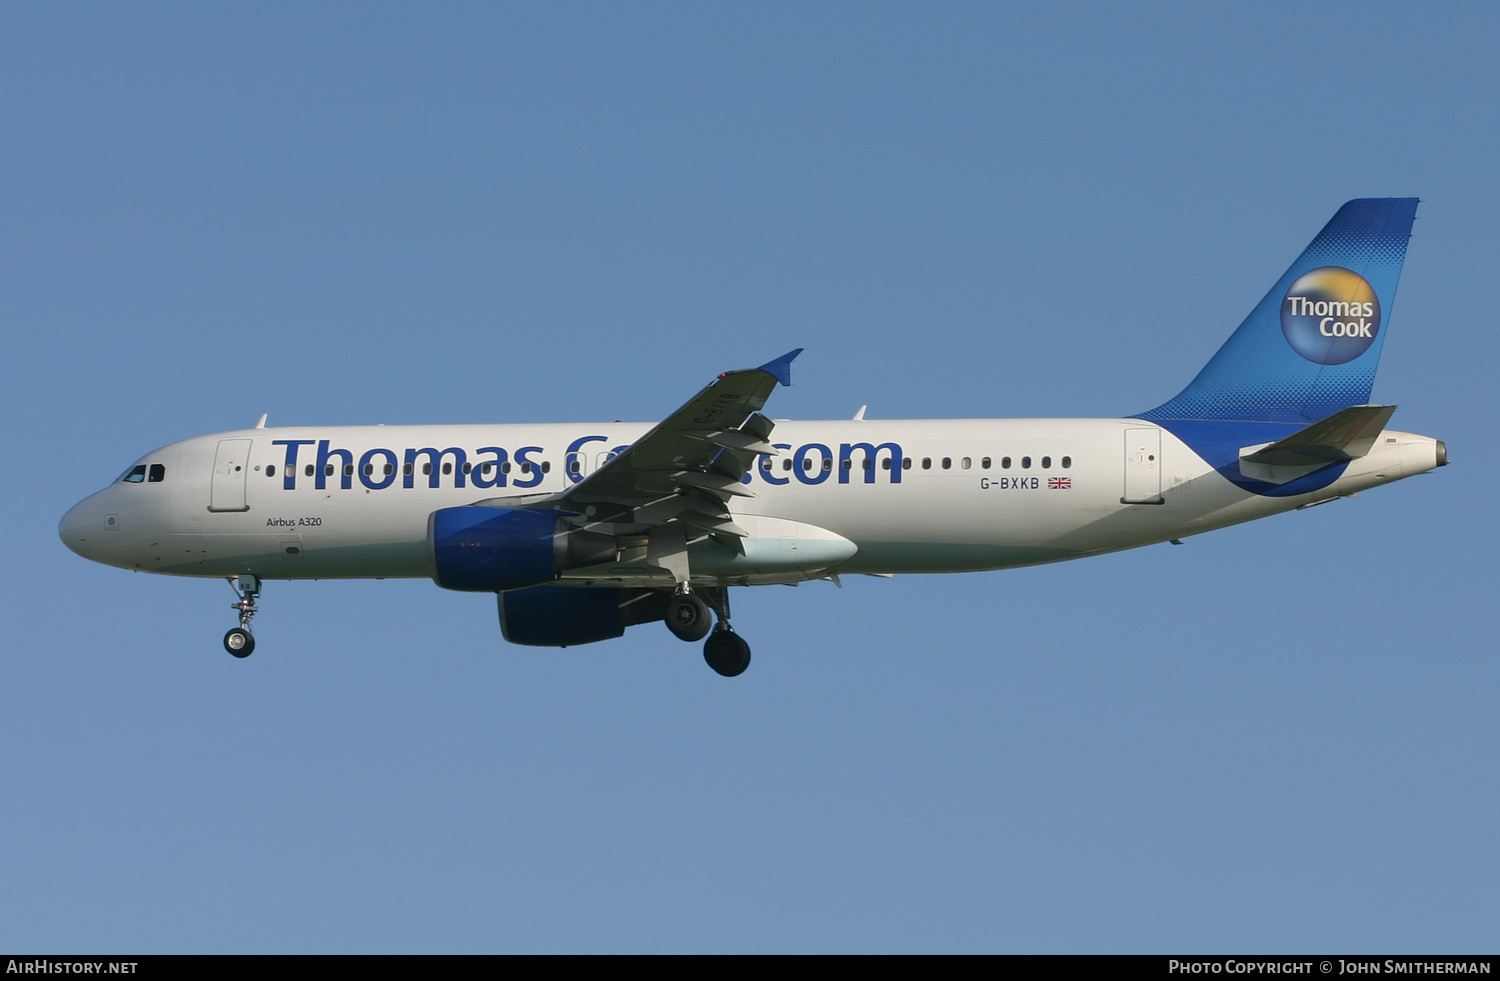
x,y
1059,483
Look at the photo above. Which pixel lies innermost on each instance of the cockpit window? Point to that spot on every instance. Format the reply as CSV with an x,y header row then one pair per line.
x,y
157,473
134,475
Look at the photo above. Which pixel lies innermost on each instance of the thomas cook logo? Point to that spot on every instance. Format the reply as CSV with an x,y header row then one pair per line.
x,y
1331,315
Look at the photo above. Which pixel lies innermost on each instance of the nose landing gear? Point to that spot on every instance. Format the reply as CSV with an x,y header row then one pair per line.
x,y
239,641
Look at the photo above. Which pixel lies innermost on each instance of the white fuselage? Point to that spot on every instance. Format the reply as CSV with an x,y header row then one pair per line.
x,y
971,495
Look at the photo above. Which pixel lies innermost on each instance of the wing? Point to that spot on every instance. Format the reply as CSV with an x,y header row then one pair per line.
x,y
687,468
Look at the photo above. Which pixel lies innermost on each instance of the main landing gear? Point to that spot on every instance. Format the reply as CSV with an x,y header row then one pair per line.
x,y
726,651
689,618
239,641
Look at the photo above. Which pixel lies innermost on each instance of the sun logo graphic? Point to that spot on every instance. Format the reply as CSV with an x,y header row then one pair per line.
x,y
1331,315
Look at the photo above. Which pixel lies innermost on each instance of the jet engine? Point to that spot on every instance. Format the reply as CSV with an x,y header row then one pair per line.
x,y
562,616
489,550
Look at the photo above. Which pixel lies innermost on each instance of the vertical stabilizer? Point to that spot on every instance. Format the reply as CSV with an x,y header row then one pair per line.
x,y
1310,348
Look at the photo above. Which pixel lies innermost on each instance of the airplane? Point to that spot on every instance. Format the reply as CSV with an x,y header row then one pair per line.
x,y
583,530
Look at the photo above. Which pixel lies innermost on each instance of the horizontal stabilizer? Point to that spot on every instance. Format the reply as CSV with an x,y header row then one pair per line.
x,y
1343,436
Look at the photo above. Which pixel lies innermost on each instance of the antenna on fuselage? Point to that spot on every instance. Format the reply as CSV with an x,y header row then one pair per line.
x,y
262,423
860,415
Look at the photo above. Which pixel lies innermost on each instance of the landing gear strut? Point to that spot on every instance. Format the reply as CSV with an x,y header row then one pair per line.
x,y
688,617
725,651
239,641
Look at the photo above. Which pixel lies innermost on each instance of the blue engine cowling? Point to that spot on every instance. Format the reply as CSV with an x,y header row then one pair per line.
x,y
562,616
488,550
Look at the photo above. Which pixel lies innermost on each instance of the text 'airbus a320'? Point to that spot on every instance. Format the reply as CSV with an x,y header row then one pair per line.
x,y
585,529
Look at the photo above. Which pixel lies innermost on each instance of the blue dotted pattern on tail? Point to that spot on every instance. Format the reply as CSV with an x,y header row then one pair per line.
x,y
1258,376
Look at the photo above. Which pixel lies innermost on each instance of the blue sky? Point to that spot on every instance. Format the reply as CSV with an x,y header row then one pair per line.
x,y
1279,737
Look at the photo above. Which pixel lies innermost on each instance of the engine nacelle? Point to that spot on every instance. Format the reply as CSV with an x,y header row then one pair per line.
x,y
563,616
488,550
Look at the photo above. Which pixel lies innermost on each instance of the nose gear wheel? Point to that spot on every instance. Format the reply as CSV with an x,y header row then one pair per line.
x,y
239,641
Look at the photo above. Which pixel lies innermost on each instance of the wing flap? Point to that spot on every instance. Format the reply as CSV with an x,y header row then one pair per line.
x,y
734,439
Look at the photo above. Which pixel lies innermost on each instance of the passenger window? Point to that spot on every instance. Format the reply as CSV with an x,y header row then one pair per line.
x,y
1067,462
1025,463
348,470
926,463
546,466
947,463
271,470
906,463
135,475
1046,463
505,467
885,464
966,463
307,471
157,474
786,464
526,468
390,469
985,463
447,468
1005,463
369,469
572,467
328,470
406,469
828,463
486,469
468,467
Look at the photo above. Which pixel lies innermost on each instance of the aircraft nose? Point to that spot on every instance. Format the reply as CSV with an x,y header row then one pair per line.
x,y
85,525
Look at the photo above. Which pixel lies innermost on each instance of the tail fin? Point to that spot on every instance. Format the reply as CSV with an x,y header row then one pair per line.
x,y
1310,348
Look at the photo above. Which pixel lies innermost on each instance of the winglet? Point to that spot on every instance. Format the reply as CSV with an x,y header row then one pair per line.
x,y
781,368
